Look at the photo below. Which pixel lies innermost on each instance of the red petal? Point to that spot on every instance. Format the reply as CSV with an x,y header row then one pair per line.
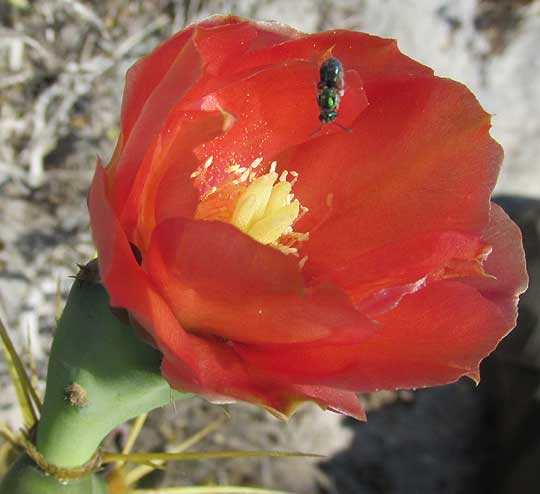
x,y
419,160
183,73
506,264
371,276
224,41
220,374
162,81
127,284
219,45
336,400
220,281
143,78
163,187
432,337
372,57
274,109
194,358
223,377
507,261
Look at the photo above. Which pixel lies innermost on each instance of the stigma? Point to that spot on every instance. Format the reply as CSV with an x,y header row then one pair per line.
x,y
262,206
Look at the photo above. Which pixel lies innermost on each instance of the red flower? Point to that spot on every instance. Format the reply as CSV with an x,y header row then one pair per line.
x,y
377,261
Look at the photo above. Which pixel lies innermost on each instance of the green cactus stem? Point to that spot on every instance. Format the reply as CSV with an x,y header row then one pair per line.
x,y
25,477
100,375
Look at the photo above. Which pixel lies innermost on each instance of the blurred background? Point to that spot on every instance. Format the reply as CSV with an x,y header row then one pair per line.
x,y
62,67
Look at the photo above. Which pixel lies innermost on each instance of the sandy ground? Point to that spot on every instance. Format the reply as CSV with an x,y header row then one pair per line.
x,y
62,65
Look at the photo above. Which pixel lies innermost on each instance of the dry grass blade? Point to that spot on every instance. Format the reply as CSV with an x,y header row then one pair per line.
x,y
209,490
199,436
34,379
7,434
26,394
153,457
134,433
7,457
132,437
139,472
58,301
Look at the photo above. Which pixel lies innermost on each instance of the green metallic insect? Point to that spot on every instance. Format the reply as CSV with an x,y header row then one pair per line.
x,y
330,89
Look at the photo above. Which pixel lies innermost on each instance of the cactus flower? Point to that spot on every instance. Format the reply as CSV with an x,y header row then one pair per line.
x,y
275,259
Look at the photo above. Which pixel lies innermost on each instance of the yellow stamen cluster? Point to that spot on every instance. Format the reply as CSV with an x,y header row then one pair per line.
x,y
262,206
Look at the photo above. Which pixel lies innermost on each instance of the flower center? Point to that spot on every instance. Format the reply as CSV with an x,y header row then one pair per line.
x,y
263,207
